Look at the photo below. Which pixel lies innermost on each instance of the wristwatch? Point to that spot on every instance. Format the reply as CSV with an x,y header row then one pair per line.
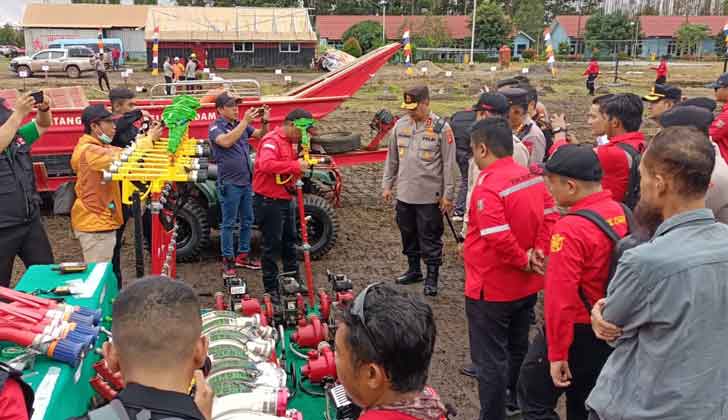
x,y
558,130
264,121
47,107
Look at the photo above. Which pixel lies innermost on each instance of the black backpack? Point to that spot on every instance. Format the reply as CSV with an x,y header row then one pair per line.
x,y
620,244
632,195
461,123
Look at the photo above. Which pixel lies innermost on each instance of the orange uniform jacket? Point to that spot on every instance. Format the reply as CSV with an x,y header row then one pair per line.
x,y
510,213
275,156
580,256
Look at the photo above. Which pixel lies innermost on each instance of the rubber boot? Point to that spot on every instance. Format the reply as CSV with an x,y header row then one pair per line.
x,y
433,273
413,274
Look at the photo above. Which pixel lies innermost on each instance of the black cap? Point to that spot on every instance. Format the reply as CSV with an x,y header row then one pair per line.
x,y
492,102
575,161
700,102
414,95
688,115
120,93
93,113
224,99
507,82
516,96
721,82
298,113
660,92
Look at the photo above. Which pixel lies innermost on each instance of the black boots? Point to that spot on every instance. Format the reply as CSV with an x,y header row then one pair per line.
x,y
433,273
413,274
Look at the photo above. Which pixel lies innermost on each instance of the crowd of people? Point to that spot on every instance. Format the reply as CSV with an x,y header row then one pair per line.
x,y
625,236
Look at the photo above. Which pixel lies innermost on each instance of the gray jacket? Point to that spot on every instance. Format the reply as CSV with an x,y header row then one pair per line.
x,y
670,296
421,162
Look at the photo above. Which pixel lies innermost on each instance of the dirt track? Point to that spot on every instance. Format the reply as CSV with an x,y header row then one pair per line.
x,y
368,247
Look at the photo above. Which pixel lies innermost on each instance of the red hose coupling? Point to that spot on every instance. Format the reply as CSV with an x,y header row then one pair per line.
x,y
102,388
321,364
324,304
312,334
249,306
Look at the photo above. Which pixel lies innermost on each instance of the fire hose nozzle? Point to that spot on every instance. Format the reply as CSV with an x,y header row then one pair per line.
x,y
67,351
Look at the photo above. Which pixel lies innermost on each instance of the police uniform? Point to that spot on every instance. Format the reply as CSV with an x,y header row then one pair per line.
x,y
421,163
21,228
529,133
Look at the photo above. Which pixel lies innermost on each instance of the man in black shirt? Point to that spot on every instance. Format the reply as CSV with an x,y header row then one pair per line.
x,y
158,347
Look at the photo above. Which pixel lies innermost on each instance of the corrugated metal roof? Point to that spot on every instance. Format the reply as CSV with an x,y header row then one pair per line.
x,y
573,25
229,24
83,16
334,26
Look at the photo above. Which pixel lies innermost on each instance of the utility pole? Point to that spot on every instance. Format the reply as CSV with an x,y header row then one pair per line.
x,y
383,3
472,35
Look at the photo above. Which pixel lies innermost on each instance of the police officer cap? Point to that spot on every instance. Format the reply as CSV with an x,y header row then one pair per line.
x,y
689,115
298,113
660,92
515,96
492,102
224,99
720,83
700,102
575,161
94,113
414,95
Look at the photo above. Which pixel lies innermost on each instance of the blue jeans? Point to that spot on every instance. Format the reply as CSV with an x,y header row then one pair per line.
x,y
235,201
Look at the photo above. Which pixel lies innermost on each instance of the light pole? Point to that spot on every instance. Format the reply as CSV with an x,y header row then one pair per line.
x,y
472,35
383,3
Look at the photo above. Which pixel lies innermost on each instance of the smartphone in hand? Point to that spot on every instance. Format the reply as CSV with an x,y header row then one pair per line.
x,y
37,97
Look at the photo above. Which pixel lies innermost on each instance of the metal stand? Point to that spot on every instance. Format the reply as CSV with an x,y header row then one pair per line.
x,y
304,242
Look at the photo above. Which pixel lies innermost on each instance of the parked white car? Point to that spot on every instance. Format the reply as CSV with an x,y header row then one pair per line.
x,y
71,61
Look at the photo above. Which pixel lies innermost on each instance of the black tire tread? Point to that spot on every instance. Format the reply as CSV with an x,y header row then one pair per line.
x,y
322,203
198,213
338,142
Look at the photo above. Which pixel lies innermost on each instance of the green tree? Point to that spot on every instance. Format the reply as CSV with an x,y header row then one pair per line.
x,y
433,33
690,38
367,33
11,36
152,2
351,46
492,27
553,8
529,17
602,30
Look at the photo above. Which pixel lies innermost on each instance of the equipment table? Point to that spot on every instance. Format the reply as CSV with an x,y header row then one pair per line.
x,y
60,390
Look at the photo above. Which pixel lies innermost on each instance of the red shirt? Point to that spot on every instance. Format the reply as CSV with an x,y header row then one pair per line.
x,y
275,156
616,163
662,69
510,213
115,53
580,257
719,131
593,68
556,145
12,402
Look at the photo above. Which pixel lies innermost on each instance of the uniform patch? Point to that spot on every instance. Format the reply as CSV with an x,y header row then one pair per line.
x,y
720,123
405,132
426,155
618,220
269,146
557,242
450,137
480,205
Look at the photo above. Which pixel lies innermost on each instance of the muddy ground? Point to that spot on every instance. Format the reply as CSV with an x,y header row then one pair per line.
x,y
368,246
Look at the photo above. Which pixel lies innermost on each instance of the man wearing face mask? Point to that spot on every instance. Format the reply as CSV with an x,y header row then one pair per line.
x,y
96,213
421,163
21,228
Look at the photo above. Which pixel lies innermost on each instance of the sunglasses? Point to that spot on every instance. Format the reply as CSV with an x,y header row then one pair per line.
x,y
357,309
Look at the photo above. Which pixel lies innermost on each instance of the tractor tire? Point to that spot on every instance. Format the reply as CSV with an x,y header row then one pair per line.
x,y
338,142
323,227
193,236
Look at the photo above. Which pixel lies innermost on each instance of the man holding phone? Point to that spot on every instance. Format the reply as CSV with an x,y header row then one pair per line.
x,y
231,151
21,229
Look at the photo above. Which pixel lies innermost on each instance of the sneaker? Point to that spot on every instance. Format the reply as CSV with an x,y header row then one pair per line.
x,y
512,408
228,267
244,261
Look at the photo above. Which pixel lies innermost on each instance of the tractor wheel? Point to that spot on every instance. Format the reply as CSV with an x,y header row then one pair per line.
x,y
322,225
338,142
193,236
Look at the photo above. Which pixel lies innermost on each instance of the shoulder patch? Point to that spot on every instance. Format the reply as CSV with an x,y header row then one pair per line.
x,y
269,146
557,242
719,123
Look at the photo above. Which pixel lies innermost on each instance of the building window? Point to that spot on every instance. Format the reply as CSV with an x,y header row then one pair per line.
x,y
672,48
243,47
290,47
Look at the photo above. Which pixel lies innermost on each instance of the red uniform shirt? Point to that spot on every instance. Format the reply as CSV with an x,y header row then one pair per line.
x,y
616,163
580,255
556,145
12,402
510,213
275,156
719,131
662,69
593,68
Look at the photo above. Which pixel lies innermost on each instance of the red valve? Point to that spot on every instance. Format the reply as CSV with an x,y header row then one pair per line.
x,y
249,306
324,304
102,388
113,378
321,364
312,334
343,298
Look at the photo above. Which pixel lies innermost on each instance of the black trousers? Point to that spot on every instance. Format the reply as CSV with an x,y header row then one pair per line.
x,y
537,394
276,220
168,88
498,334
29,242
421,227
661,80
102,76
463,159
590,83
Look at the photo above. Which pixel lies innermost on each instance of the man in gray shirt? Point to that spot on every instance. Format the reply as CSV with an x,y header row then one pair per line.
x,y
666,309
421,162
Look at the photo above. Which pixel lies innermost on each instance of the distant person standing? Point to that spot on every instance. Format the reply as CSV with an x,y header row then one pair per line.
x,y
115,57
168,75
101,71
591,73
661,71
191,70
178,72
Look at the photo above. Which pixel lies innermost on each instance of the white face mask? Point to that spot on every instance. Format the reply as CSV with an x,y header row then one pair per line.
x,y
104,138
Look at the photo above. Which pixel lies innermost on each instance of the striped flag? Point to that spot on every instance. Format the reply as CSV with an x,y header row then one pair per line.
x,y
725,34
155,52
551,57
407,51
101,40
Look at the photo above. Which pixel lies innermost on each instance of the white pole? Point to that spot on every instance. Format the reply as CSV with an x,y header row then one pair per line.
x,y
384,23
472,35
